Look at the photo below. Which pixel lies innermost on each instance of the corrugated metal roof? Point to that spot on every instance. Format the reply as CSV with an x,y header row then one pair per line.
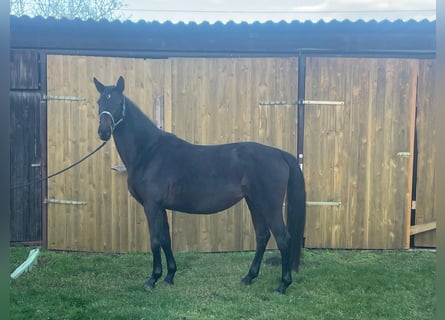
x,y
176,39
228,23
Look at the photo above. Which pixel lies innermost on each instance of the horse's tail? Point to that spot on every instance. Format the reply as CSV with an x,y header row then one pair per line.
x,y
296,209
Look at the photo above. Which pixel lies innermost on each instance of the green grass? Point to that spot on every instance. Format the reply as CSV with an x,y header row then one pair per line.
x,y
330,285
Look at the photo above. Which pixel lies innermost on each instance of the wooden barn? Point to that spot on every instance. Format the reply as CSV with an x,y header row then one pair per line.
x,y
352,100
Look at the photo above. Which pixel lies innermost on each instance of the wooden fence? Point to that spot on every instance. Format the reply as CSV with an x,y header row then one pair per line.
x,y
358,153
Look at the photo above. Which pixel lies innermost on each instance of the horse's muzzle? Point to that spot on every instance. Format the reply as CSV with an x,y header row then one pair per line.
x,y
104,133
106,126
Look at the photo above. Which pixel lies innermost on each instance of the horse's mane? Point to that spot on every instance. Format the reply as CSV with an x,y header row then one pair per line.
x,y
139,117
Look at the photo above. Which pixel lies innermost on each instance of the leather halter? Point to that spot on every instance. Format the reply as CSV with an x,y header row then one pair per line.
x,y
114,123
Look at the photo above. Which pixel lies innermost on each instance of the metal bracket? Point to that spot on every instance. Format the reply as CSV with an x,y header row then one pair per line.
x,y
65,98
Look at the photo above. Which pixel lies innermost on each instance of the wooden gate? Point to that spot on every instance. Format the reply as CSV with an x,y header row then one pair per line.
x,y
204,101
360,153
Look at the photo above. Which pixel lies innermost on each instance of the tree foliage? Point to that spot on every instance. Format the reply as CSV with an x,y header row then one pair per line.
x,y
70,9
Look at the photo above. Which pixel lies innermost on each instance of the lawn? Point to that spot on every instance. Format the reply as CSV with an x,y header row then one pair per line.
x,y
330,285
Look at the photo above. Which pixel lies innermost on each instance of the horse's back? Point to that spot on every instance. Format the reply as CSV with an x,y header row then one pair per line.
x,y
226,158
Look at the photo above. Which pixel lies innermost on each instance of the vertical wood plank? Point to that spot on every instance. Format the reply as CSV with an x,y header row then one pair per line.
x,y
426,133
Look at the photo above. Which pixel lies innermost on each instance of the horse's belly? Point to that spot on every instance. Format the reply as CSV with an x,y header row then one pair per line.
x,y
204,201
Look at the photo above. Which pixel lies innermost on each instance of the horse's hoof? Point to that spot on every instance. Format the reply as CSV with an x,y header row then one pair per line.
x,y
168,281
246,280
150,284
281,289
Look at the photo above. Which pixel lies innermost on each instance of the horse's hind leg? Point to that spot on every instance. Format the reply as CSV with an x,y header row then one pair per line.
x,y
262,235
282,238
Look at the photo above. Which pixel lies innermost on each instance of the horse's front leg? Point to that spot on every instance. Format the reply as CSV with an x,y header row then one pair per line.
x,y
167,247
155,226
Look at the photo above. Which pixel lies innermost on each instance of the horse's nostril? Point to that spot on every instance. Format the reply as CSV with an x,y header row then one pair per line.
x,y
104,137
104,134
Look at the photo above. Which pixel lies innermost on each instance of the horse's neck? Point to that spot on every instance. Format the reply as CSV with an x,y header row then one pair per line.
x,y
134,135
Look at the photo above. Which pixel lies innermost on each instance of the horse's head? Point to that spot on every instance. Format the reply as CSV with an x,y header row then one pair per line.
x,y
111,107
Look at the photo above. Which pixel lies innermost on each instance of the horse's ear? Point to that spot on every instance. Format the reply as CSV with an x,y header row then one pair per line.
x,y
99,86
120,85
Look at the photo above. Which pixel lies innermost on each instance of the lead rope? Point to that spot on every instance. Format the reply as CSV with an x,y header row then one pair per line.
x,y
61,171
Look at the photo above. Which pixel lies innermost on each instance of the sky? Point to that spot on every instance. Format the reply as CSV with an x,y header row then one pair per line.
x,y
277,10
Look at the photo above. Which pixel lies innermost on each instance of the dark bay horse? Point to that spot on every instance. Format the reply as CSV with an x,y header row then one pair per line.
x,y
166,172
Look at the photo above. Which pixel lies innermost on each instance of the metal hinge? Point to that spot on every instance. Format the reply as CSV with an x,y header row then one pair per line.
x,y
322,102
300,102
158,112
66,98
323,203
70,202
404,154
